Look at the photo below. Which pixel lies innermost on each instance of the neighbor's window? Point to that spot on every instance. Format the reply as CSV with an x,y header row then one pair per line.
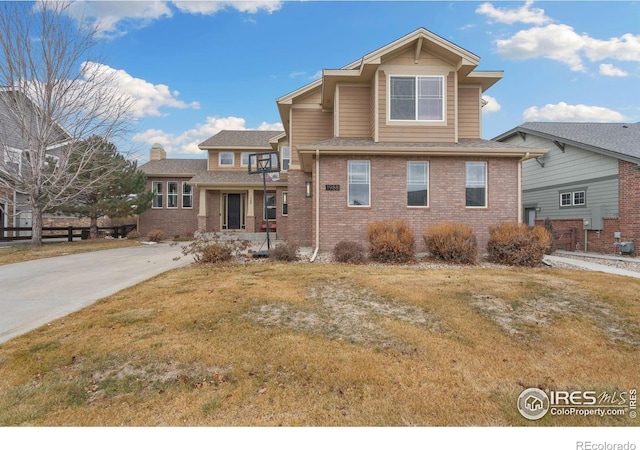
x,y
270,204
245,159
225,159
416,98
476,184
577,198
156,188
187,195
13,160
417,183
359,192
285,203
286,158
172,194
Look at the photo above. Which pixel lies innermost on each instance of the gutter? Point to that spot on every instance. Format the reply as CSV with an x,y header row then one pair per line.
x,y
317,189
525,157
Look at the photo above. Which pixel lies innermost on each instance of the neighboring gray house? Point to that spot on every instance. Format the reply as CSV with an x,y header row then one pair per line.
x,y
589,180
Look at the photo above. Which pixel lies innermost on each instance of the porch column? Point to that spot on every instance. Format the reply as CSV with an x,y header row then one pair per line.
x,y
250,225
202,210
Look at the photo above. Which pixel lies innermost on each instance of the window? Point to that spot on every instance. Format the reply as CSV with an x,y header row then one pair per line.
x,y
576,198
476,184
285,203
270,205
417,183
156,188
245,159
172,194
358,174
286,158
187,195
416,98
225,159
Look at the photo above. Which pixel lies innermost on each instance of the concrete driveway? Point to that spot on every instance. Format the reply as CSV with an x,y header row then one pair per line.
x,y
36,292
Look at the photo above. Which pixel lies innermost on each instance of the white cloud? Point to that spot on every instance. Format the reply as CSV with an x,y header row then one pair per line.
x,y
610,70
147,98
524,14
187,142
116,18
563,112
563,44
491,105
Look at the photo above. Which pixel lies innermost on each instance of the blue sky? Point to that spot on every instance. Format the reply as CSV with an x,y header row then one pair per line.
x,y
195,68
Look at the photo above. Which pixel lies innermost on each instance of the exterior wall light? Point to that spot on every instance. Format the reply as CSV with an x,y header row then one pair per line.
x,y
307,189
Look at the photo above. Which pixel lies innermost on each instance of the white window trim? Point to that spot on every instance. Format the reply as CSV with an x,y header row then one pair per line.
x,y
282,158
572,198
242,163
266,208
233,159
418,121
486,184
177,194
570,194
153,185
15,151
407,185
584,196
368,182
184,183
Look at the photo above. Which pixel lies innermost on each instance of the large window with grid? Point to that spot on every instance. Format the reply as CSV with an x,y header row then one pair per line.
x,y
156,188
476,184
419,98
359,185
417,183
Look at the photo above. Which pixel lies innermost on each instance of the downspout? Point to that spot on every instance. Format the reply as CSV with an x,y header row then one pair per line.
x,y
317,195
520,186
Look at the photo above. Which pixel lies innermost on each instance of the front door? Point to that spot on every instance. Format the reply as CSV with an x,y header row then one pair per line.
x,y
530,216
234,211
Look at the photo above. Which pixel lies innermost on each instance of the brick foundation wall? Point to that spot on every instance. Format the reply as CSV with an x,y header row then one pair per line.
x,y
598,241
388,198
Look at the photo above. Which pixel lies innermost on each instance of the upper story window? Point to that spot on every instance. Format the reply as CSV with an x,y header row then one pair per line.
x,y
225,159
13,160
576,198
245,159
419,98
286,158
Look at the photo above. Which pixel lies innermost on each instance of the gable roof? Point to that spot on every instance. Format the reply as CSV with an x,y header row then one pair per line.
x,y
174,167
619,140
240,139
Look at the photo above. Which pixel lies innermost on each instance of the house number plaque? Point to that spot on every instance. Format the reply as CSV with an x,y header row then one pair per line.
x,y
332,187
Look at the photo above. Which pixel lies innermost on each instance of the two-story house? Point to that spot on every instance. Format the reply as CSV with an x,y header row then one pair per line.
x,y
393,135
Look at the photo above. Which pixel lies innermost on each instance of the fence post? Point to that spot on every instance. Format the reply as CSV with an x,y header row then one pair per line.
x,y
115,232
70,233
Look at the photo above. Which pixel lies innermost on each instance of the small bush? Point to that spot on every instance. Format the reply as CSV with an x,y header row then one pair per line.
x,y
451,241
155,235
211,248
548,225
349,252
133,234
391,241
518,245
284,252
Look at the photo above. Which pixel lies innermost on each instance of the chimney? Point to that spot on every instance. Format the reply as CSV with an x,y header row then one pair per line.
x,y
157,153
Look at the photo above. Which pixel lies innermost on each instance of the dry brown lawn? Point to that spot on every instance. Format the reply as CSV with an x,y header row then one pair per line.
x,y
269,344
25,252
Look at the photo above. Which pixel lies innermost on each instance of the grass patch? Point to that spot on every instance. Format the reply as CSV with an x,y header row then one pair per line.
x,y
270,344
25,252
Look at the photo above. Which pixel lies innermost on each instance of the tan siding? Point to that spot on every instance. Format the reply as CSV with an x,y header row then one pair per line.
x,y
469,112
309,126
353,112
417,132
372,109
314,98
408,59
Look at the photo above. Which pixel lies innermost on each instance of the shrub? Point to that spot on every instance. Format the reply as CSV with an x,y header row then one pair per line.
x,y
284,252
155,235
349,252
518,245
451,241
391,241
211,248
548,225
133,234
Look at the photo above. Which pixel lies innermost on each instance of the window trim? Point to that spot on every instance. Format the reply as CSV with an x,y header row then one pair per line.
x,y
572,199
233,159
443,109
242,163
283,159
486,184
176,194
266,208
349,162
188,195
426,164
157,194
9,160
285,203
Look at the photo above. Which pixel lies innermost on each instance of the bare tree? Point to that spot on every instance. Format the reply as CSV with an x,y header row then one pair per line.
x,y
54,96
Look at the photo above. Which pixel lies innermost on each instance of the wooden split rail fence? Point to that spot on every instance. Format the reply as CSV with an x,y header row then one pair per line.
x,y
24,233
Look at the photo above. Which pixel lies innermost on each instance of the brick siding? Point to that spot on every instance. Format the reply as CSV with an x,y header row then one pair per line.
x,y
172,221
